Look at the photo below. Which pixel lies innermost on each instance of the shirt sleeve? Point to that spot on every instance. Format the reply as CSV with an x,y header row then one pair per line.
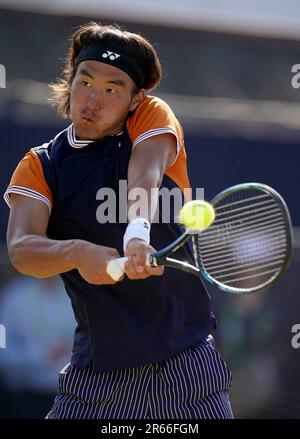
x,y
153,117
28,179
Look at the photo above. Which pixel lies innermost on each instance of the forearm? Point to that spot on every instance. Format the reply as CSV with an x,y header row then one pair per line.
x,y
143,196
148,163
41,257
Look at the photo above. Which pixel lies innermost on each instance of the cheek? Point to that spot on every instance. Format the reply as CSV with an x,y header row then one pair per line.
x,y
116,107
76,97
122,112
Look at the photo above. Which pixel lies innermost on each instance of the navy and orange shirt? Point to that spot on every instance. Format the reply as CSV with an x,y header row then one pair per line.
x,y
133,322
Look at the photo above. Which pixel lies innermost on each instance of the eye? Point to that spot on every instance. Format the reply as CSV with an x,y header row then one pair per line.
x,y
111,91
85,83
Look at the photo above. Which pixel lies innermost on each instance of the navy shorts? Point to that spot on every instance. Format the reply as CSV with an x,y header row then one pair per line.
x,y
192,384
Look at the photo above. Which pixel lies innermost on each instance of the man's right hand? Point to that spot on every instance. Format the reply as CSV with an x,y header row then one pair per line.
x,y
34,254
91,261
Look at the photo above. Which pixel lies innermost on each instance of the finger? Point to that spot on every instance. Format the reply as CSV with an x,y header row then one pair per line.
x,y
155,271
128,264
131,271
111,281
102,280
140,269
133,274
106,280
140,258
114,253
129,268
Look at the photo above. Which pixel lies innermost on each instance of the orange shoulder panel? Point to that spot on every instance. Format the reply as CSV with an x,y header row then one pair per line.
x,y
152,114
29,175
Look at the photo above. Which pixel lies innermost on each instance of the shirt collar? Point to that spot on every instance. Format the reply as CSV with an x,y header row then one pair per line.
x,y
80,143
73,141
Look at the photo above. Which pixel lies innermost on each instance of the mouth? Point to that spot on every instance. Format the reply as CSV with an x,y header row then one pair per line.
x,y
88,119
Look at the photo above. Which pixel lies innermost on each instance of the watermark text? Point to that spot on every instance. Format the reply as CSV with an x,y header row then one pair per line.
x,y
2,337
295,81
161,205
296,338
2,76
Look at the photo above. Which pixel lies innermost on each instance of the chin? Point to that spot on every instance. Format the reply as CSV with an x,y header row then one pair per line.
x,y
87,133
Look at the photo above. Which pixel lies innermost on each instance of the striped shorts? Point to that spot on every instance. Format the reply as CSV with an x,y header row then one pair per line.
x,y
190,385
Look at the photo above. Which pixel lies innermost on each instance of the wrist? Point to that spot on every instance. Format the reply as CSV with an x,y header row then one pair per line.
x,y
74,252
139,228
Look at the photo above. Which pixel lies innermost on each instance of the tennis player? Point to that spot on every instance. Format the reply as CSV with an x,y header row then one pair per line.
x,y
141,345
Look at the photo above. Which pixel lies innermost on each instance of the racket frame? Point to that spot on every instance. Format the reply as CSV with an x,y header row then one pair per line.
x,y
162,257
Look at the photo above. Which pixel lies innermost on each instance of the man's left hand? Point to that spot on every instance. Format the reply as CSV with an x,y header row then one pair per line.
x,y
136,267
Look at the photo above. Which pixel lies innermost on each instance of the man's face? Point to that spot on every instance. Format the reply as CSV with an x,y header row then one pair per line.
x,y
101,97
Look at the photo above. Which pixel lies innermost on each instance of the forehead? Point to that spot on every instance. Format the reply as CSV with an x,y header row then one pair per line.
x,y
104,71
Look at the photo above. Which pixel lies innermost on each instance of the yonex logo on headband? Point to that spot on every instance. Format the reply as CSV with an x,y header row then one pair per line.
x,y
105,52
111,55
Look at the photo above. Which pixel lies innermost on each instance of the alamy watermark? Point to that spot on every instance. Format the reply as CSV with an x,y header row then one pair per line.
x,y
2,336
295,81
295,341
2,76
129,204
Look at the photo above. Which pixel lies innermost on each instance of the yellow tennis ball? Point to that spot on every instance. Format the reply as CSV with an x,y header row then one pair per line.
x,y
197,215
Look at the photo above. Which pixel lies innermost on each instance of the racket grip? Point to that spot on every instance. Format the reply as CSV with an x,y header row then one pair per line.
x,y
115,267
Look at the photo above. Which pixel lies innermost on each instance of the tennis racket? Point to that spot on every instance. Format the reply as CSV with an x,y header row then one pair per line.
x,y
247,248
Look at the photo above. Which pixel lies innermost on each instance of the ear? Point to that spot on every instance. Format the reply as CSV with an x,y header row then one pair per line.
x,y
137,99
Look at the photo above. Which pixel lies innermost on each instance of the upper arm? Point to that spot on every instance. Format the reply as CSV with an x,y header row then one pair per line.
x,y
151,157
151,126
29,198
28,216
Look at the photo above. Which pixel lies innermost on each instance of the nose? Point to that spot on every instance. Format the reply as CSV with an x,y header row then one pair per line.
x,y
93,101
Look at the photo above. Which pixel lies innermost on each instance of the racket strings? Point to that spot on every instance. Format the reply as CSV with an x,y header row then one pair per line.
x,y
247,245
234,203
226,255
260,218
220,239
256,227
227,262
259,212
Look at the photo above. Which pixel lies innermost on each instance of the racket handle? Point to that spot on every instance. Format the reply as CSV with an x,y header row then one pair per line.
x,y
115,267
